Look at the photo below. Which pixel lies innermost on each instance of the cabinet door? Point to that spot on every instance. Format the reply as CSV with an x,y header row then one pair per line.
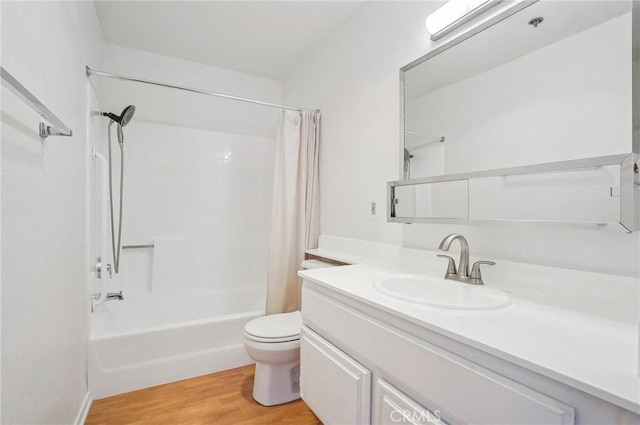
x,y
391,407
334,386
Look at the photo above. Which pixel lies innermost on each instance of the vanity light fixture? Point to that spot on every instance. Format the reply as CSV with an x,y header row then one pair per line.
x,y
455,13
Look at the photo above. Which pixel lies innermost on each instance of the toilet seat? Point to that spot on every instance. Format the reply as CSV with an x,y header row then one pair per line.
x,y
271,340
275,328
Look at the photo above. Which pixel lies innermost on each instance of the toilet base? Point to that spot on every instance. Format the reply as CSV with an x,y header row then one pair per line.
x,y
276,384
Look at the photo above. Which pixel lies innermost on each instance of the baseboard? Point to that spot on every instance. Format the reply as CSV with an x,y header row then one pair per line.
x,y
81,418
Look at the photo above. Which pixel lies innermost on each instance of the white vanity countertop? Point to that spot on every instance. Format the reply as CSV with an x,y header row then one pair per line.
x,y
590,353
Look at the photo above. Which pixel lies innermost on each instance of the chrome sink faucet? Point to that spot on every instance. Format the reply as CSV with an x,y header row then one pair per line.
x,y
461,273
463,268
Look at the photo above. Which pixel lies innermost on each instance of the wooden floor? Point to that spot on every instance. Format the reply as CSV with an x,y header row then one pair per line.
x,y
219,398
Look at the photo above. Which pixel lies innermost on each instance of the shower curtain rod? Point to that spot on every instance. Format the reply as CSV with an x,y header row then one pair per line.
x,y
90,72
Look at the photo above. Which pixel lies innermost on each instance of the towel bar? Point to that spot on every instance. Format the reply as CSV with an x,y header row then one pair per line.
x,y
150,246
57,129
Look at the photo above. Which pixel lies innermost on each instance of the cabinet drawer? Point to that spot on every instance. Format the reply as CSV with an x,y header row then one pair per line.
x,y
468,392
334,386
391,407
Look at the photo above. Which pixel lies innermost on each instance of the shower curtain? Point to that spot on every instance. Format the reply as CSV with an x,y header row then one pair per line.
x,y
296,207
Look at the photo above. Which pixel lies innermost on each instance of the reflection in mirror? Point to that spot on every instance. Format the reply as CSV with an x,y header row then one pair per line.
x,y
416,151
433,200
578,196
515,94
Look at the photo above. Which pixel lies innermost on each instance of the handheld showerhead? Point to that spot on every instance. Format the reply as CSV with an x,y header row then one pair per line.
x,y
120,134
125,116
120,122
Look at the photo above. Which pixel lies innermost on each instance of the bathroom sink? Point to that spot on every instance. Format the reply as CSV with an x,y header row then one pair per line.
x,y
442,293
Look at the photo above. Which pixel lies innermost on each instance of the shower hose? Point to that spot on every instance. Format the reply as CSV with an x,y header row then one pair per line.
x,y
116,249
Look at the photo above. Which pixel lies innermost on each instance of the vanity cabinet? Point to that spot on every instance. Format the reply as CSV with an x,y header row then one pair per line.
x,y
348,346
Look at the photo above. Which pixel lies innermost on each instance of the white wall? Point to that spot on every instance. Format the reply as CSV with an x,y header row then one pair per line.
x,y
353,79
180,108
45,45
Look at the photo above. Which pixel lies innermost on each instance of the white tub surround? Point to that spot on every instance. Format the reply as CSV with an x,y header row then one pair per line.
x,y
197,201
568,340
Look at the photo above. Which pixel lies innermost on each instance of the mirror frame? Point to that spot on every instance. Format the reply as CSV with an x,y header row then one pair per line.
x,y
630,180
453,39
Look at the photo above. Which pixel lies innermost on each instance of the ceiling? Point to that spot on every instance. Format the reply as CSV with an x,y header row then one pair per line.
x,y
265,38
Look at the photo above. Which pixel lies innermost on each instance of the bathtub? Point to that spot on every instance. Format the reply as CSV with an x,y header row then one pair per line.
x,y
146,341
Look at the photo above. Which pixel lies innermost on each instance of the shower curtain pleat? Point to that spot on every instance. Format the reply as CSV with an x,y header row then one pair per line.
x,y
296,207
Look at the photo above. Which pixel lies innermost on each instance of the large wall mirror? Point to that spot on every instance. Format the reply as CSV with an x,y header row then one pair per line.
x,y
546,84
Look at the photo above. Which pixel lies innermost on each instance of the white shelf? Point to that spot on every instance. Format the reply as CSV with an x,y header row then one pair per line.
x,y
574,164
474,209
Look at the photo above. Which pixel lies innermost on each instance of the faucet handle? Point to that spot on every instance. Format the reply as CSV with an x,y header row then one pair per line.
x,y
476,275
451,268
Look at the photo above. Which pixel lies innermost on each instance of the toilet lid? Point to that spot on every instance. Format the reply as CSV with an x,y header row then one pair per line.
x,y
276,327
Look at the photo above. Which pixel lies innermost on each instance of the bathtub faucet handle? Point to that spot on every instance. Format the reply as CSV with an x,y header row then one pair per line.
x,y
109,270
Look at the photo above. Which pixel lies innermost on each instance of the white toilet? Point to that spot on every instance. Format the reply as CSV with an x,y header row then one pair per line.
x,y
274,343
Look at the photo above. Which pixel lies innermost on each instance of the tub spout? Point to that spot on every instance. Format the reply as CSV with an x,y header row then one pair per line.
x,y
111,296
114,296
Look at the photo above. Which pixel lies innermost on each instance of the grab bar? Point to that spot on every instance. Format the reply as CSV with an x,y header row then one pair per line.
x,y
151,246
14,86
104,197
